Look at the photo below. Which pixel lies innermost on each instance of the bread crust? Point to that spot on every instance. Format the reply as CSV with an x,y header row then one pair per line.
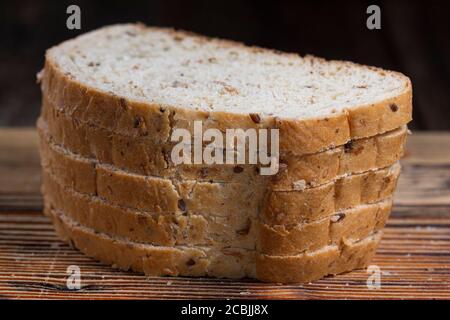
x,y
192,228
137,157
310,266
158,195
164,229
210,261
357,156
297,136
151,194
155,260
292,207
352,224
270,268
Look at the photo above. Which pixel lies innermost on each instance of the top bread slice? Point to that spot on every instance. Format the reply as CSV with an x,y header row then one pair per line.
x,y
148,81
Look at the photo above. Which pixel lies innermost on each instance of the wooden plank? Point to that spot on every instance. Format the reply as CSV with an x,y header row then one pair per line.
x,y
422,184
413,257
20,176
428,147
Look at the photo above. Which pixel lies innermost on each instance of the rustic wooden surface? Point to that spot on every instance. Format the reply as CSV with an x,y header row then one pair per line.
x,y
414,256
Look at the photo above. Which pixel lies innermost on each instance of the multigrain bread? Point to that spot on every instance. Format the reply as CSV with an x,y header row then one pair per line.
x,y
195,228
344,192
166,229
113,98
148,81
159,195
215,262
354,157
310,266
309,204
354,224
296,172
156,260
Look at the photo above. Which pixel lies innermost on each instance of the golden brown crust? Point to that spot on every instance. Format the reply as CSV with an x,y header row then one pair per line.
x,y
192,228
225,262
167,229
354,157
141,157
76,172
162,195
151,194
296,136
293,207
302,268
155,260
312,266
354,224
110,254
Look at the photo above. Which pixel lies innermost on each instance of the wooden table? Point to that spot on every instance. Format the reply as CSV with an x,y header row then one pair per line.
x,y
414,256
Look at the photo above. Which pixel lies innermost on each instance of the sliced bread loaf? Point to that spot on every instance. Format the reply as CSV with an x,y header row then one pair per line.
x,y
112,99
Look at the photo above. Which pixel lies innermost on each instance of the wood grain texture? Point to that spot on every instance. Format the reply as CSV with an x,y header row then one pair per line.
x,y
414,256
20,176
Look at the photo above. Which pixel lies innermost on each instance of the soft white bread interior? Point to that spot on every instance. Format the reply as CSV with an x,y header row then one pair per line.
x,y
164,67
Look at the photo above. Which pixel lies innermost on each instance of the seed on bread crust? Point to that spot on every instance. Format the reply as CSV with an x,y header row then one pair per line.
x,y
190,262
238,169
244,231
182,205
348,146
255,117
337,217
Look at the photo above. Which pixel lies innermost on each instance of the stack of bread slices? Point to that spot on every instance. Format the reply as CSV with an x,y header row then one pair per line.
x,y
112,99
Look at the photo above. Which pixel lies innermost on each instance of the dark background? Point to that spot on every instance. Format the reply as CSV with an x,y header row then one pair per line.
x,y
414,39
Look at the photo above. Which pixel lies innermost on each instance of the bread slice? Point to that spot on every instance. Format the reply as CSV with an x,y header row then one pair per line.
x,y
212,261
135,156
354,224
354,157
195,228
310,204
138,80
310,266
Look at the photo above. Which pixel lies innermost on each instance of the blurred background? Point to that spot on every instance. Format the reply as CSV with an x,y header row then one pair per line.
x,y
414,39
